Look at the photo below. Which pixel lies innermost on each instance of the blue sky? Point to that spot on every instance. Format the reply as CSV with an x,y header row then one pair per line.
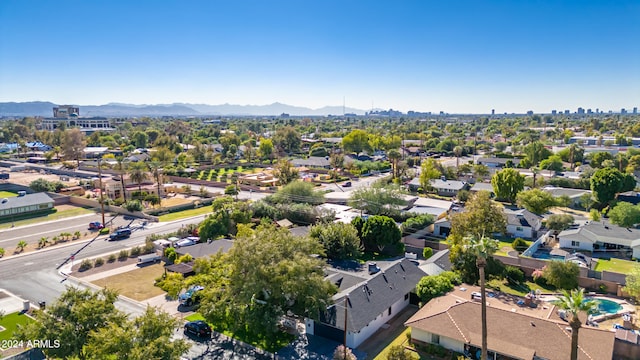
x,y
453,56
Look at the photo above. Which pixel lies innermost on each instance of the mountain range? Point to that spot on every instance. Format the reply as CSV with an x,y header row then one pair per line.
x,y
43,108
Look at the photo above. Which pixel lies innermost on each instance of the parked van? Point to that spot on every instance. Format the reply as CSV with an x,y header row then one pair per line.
x,y
150,258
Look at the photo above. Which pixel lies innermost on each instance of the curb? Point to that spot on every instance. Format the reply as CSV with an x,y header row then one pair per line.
x,y
45,249
46,222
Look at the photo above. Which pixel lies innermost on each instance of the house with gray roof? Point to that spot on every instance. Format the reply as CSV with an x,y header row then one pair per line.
x,y
482,186
312,162
437,263
497,163
367,300
601,236
25,204
574,195
523,223
446,187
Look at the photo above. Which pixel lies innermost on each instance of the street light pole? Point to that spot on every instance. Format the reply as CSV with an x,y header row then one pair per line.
x,y
101,191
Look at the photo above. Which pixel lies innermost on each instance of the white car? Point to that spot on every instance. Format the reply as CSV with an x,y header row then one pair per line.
x,y
191,240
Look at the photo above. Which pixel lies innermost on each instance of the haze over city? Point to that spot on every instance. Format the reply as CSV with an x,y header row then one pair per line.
x,y
462,57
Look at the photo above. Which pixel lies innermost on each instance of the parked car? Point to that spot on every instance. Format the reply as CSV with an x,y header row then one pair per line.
x,y
188,241
198,328
96,225
347,184
190,296
120,234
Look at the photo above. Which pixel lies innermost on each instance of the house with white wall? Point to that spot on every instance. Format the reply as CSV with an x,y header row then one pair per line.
x,y
366,300
601,236
523,223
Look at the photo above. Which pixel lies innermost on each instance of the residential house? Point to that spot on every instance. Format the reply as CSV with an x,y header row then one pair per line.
x,y
414,184
9,147
437,263
454,322
312,162
200,250
444,187
630,197
575,195
523,223
366,299
435,207
601,236
497,163
37,146
29,203
482,186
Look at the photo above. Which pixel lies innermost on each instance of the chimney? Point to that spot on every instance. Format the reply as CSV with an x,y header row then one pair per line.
x,y
373,268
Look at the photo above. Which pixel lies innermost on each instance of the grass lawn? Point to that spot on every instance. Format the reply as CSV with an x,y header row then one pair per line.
x,y
6,194
283,338
616,265
9,323
504,246
174,201
137,284
60,214
400,340
518,289
186,213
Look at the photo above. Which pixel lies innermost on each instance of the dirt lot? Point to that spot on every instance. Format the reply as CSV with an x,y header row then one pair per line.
x,y
26,177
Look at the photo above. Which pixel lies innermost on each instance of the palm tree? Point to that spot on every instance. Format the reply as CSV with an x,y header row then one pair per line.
x,y
138,173
43,242
457,151
156,171
122,169
574,303
21,245
535,170
394,155
482,248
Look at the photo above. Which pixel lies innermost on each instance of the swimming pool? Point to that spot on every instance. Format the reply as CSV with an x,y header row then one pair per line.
x,y
605,307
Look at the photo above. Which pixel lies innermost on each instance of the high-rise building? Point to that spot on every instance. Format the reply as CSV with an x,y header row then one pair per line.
x,y
567,112
580,111
623,111
635,110
530,112
554,112
493,111
589,111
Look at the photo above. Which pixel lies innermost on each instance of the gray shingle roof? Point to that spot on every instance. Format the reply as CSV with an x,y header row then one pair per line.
x,y
206,249
312,161
370,298
448,184
523,217
26,200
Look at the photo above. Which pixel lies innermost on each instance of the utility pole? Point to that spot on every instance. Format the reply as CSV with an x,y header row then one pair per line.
x,y
101,190
346,303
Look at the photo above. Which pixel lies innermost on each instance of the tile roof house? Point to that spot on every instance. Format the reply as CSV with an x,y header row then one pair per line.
x,y
367,301
454,323
523,223
601,235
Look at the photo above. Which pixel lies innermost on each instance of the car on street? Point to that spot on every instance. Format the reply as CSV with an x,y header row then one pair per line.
x,y
347,184
120,234
190,296
95,225
198,328
129,217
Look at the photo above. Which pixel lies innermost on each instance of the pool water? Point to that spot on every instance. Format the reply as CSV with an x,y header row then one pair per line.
x,y
605,306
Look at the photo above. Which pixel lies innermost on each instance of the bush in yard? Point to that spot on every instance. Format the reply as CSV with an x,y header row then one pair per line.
x,y
98,262
427,252
453,277
133,205
184,259
135,251
519,244
563,275
397,352
171,254
430,287
513,274
123,255
416,223
112,258
85,265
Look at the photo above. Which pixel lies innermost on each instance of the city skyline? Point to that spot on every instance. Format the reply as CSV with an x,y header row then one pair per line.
x,y
420,56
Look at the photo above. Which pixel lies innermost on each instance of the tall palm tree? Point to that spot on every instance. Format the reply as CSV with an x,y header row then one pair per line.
x,y
156,171
138,173
394,155
121,166
574,303
457,151
482,248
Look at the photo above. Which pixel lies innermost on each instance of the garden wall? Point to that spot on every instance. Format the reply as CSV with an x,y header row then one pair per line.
x,y
111,208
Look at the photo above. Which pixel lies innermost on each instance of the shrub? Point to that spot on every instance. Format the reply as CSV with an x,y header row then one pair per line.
x,y
184,259
416,223
135,251
513,274
171,254
85,265
123,255
133,205
427,252
98,262
148,247
433,286
2,251
111,258
602,288
519,244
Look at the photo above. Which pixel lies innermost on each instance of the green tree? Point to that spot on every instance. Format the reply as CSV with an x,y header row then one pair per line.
x,y
297,192
559,222
574,303
43,242
340,240
625,214
21,245
380,233
73,145
140,139
482,249
553,162
156,171
481,217
265,149
536,152
607,182
121,167
285,172
430,287
138,173
507,183
133,205
428,171
397,352
600,157
270,272
148,336
287,139
356,141
632,286
71,319
563,275
378,199
535,200
395,156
